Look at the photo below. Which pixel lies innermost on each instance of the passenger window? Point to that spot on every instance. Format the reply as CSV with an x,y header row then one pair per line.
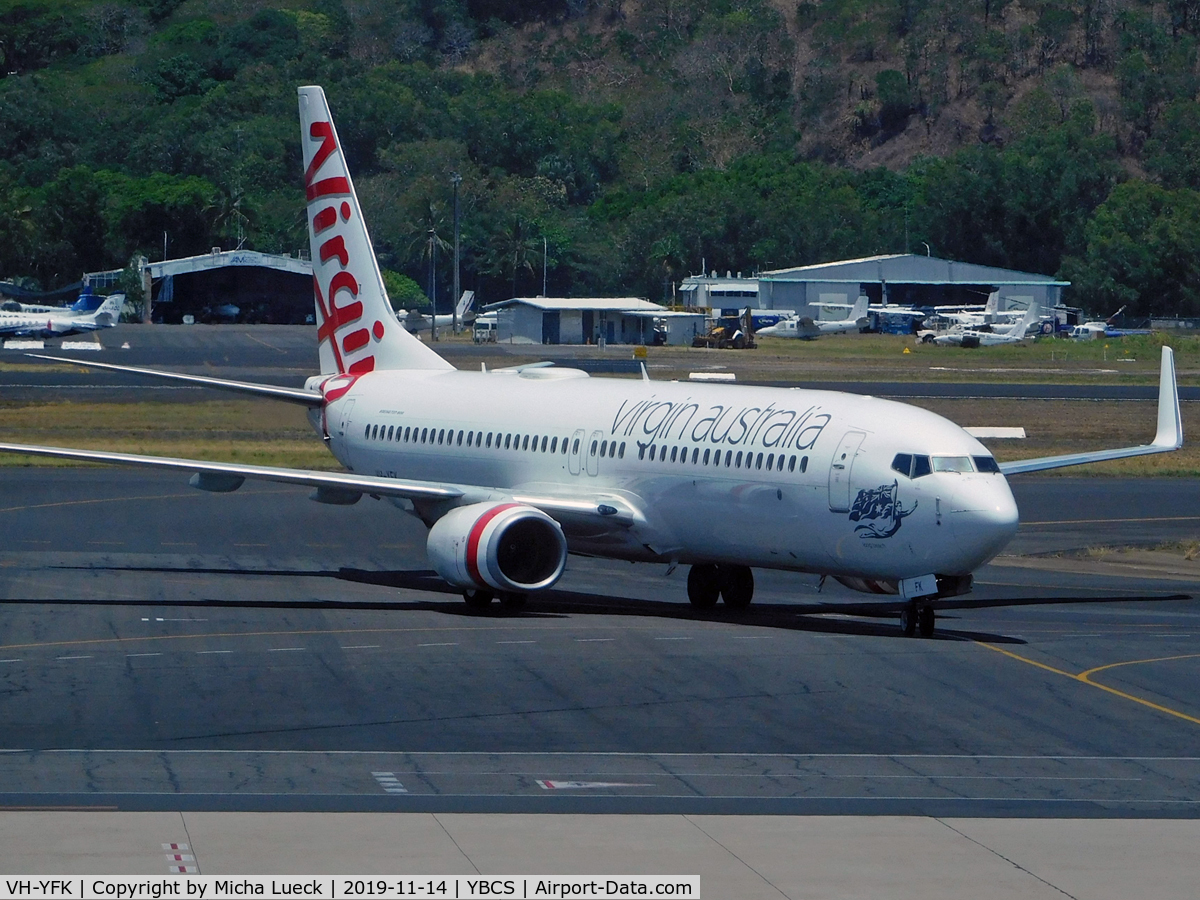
x,y
920,466
641,451
986,464
674,451
738,464
804,464
621,451
653,450
460,437
391,428
695,455
424,435
554,445
525,444
544,440
575,446
441,434
489,440
592,450
407,433
902,463
367,434
770,462
706,453
758,462
507,441
791,464
604,448
729,458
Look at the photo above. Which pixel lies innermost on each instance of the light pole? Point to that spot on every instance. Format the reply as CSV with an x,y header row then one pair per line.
x,y
432,284
456,180
544,245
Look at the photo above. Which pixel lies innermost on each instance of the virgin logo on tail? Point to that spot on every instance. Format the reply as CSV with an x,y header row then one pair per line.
x,y
330,214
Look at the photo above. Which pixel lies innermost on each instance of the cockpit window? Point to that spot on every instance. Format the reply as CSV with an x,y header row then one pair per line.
x,y
986,464
952,464
920,466
902,463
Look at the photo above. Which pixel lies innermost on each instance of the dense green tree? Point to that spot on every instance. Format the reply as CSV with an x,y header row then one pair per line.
x,y
1141,253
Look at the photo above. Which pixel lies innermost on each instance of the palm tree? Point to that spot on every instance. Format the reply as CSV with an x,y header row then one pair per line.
x,y
511,250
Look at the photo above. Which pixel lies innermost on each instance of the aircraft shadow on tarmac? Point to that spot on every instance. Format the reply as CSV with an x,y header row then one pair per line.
x,y
875,618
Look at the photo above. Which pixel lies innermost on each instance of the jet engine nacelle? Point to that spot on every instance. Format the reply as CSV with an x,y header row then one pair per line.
x,y
498,546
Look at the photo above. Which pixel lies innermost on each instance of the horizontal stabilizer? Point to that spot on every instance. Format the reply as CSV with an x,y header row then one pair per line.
x,y
292,395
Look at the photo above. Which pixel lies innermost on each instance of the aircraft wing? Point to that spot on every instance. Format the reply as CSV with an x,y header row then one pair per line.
x,y
1168,437
293,395
347,487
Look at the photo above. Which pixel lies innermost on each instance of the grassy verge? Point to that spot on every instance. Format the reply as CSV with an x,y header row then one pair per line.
x,y
248,431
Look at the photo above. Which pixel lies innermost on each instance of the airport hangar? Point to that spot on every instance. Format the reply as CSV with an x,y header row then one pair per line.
x,y
226,286
593,320
903,279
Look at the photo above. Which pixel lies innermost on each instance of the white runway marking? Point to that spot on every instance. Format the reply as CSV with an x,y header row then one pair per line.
x,y
73,657
448,644
389,782
363,647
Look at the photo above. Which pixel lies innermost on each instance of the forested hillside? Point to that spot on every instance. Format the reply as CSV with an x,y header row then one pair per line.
x,y
636,138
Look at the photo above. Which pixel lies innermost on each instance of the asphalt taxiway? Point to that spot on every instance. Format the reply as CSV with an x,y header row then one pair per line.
x,y
163,648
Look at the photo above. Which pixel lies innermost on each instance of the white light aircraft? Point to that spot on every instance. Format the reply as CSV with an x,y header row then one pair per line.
x,y
514,469
807,328
62,323
977,337
414,321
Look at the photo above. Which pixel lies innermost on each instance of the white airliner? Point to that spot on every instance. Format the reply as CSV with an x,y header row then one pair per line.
x,y
57,324
807,328
514,469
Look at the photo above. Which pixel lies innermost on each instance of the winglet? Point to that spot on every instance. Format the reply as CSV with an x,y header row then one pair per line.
x,y
1170,425
1168,437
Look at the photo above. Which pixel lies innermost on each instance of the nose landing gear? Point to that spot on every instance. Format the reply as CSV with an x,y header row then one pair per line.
x,y
916,618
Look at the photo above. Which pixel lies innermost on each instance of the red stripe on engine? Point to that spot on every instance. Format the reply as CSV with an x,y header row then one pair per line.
x,y
475,535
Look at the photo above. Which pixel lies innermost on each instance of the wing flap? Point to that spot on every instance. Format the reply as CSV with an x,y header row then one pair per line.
x,y
217,473
1167,437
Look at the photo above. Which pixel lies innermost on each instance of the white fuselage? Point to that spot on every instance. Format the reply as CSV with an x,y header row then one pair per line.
x,y
768,477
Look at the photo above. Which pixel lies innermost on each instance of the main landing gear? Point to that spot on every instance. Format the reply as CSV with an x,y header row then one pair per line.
x,y
480,600
914,618
708,583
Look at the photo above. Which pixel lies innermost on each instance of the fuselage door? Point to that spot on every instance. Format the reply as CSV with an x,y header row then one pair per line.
x,y
347,409
593,450
840,469
577,449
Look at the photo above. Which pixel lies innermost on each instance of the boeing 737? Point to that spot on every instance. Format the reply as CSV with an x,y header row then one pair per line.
x,y
807,328
512,470
64,322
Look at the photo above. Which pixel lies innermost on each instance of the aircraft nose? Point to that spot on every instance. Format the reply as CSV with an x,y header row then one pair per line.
x,y
983,517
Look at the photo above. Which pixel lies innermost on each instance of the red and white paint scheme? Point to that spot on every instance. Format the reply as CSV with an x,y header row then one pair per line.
x,y
514,469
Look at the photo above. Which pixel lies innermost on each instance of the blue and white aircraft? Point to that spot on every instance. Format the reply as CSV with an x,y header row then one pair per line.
x,y
514,469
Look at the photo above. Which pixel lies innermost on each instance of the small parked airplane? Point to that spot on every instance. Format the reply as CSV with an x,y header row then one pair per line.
x,y
513,469
807,328
415,321
64,322
992,336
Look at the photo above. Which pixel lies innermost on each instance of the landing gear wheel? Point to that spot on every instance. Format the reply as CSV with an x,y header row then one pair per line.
x,y
737,586
704,586
927,339
908,620
925,621
511,600
478,599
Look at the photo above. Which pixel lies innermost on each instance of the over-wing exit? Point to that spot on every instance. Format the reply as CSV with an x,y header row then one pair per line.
x,y
514,469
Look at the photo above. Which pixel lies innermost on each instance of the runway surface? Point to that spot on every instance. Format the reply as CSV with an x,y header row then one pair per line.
x,y
163,648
